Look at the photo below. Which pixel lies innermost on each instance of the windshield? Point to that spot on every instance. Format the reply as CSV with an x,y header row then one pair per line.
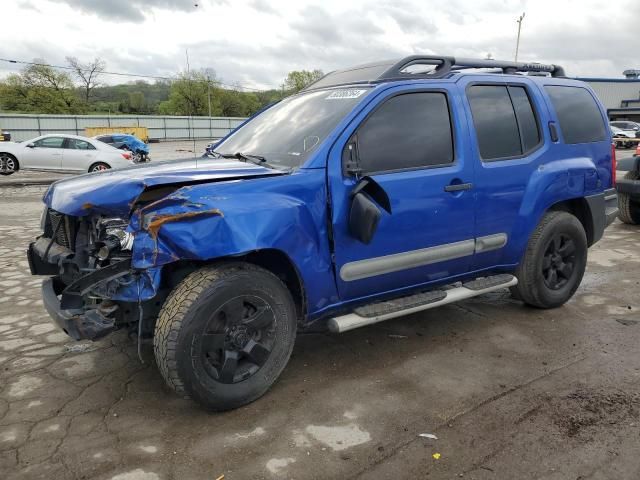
x,y
290,131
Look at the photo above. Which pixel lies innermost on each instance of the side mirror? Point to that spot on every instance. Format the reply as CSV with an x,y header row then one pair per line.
x,y
367,198
364,217
30,145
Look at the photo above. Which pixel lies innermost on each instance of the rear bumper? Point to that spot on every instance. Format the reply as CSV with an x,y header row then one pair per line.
x,y
628,186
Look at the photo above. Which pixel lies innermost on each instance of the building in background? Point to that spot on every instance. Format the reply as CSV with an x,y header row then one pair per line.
x,y
620,96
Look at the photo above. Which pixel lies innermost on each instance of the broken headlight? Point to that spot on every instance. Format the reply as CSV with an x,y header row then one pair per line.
x,y
112,236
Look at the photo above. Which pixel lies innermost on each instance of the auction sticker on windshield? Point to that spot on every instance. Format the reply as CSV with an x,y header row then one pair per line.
x,y
344,94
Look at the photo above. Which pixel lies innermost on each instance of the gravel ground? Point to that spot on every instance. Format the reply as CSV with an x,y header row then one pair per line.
x,y
510,392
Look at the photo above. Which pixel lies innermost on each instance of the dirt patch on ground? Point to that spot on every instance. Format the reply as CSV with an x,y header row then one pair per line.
x,y
577,411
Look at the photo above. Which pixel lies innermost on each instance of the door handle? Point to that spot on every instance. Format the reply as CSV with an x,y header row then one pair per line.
x,y
458,187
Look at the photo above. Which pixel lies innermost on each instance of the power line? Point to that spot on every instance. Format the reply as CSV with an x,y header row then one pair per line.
x,y
120,74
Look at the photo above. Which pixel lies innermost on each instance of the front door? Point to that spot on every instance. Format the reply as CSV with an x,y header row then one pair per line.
x,y
410,150
43,154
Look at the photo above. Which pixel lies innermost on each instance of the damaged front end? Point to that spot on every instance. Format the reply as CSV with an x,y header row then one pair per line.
x,y
93,289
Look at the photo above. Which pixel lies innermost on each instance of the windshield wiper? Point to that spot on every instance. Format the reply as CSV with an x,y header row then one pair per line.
x,y
246,157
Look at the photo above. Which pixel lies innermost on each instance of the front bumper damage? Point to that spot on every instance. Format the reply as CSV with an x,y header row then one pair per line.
x,y
79,324
66,290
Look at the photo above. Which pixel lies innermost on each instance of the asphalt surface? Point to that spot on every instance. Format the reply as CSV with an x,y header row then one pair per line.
x,y
510,392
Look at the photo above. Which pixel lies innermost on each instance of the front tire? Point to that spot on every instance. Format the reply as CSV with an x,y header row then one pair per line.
x,y
8,164
225,334
629,208
553,265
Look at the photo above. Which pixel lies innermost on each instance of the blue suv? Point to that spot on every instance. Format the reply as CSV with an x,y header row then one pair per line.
x,y
378,191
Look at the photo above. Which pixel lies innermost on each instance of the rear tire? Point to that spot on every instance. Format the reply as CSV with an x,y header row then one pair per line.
x,y
225,334
553,265
8,164
99,167
629,208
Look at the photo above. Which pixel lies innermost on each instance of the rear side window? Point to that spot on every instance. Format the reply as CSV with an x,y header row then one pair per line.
x,y
504,120
579,116
411,130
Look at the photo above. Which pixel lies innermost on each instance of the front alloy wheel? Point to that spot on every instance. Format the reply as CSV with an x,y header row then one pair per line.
x,y
8,164
225,334
237,340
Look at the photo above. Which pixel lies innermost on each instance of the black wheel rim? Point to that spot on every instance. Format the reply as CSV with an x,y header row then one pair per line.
x,y
559,261
237,340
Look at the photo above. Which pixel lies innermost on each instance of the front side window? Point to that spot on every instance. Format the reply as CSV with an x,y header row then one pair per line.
x,y
412,130
289,132
579,116
49,142
504,120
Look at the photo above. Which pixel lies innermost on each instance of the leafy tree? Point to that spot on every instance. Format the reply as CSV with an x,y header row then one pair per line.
x,y
238,104
42,89
298,79
88,74
188,95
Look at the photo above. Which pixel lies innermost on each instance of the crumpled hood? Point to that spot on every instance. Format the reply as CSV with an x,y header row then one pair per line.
x,y
114,192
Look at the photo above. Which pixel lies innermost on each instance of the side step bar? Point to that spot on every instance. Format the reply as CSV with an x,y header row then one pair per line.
x,y
378,312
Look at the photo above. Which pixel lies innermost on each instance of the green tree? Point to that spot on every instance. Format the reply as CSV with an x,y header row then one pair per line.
x,y
238,104
40,89
137,102
188,95
298,79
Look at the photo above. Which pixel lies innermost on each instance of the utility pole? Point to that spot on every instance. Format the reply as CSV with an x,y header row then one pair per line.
x,y
519,21
209,102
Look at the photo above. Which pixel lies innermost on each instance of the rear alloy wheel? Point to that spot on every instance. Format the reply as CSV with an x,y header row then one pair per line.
x,y
628,207
225,334
8,164
553,265
99,167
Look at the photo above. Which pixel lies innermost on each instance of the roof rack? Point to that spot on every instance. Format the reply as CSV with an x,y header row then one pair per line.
x,y
442,66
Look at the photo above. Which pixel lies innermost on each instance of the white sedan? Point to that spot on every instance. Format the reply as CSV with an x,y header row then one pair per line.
x,y
61,153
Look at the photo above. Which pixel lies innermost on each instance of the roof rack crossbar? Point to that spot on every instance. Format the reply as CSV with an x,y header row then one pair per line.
x,y
447,64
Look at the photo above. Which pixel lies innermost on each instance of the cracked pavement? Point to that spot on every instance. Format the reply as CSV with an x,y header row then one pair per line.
x,y
509,391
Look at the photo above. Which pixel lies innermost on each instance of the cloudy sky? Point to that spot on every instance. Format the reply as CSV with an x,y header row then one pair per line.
x,y
256,42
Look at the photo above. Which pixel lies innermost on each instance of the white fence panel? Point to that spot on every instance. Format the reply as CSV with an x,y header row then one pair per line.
x,y
25,127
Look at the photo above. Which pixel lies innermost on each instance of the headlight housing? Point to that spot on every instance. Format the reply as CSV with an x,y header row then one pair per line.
x,y
112,236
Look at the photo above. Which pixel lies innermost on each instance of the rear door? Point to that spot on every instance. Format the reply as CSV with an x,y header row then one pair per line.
x,y
508,146
410,147
46,154
79,155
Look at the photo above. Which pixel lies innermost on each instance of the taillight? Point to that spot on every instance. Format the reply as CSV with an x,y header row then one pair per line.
x,y
127,156
613,165
638,150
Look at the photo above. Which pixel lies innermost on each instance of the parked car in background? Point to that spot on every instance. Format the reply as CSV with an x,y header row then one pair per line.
x,y
5,136
627,126
64,153
371,194
137,147
621,137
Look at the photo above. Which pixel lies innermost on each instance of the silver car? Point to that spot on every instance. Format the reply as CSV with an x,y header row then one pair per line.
x,y
61,153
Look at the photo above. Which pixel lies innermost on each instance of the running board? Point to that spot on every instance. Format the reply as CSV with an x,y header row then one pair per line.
x,y
380,311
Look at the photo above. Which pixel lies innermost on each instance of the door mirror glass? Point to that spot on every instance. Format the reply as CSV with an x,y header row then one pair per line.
x,y
364,217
